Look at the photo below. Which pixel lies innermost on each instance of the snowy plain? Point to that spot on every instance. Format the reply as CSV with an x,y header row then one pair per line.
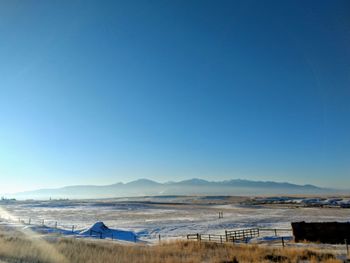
x,y
170,217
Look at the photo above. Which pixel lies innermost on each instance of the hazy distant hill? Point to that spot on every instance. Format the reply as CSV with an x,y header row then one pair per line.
x,y
144,187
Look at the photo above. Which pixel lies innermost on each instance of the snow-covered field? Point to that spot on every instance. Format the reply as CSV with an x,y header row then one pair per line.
x,y
343,202
170,217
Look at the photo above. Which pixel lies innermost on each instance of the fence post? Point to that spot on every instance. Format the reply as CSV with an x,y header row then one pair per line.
x,y
29,221
282,242
221,239
347,247
226,235
56,224
275,232
258,232
159,238
72,228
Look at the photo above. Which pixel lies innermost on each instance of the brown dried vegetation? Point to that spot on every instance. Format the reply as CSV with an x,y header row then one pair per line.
x,y
23,248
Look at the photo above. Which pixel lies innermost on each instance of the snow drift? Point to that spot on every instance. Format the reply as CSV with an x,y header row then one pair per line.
x,y
100,230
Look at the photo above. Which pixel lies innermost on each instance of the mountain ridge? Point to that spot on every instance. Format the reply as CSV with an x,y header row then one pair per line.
x,y
194,186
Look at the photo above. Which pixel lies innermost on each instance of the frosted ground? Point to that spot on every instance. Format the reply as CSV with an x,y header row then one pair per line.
x,y
170,217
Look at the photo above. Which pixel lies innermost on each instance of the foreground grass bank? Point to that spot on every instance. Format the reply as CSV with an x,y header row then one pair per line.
x,y
24,247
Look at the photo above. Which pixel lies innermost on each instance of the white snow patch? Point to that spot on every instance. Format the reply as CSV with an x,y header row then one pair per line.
x,y
100,230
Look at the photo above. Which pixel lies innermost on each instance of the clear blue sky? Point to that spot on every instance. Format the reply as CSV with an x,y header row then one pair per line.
x,y
97,92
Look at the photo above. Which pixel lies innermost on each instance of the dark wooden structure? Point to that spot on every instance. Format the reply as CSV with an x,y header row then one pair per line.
x,y
324,232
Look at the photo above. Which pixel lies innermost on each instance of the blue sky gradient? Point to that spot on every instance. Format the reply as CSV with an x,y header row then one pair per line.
x,y
98,92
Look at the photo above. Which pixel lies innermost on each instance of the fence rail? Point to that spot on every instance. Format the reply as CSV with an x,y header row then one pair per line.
x,y
276,231
207,237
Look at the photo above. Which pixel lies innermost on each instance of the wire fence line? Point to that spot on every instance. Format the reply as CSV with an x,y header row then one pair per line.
x,y
57,227
48,223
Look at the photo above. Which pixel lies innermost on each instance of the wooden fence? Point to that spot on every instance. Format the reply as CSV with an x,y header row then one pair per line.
x,y
239,235
207,237
276,231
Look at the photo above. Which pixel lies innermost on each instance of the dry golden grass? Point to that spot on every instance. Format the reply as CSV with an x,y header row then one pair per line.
x,y
22,248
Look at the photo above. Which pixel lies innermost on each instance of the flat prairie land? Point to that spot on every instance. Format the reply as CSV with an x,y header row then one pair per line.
x,y
171,217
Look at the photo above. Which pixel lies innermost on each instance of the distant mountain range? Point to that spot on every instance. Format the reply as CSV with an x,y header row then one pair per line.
x,y
145,187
